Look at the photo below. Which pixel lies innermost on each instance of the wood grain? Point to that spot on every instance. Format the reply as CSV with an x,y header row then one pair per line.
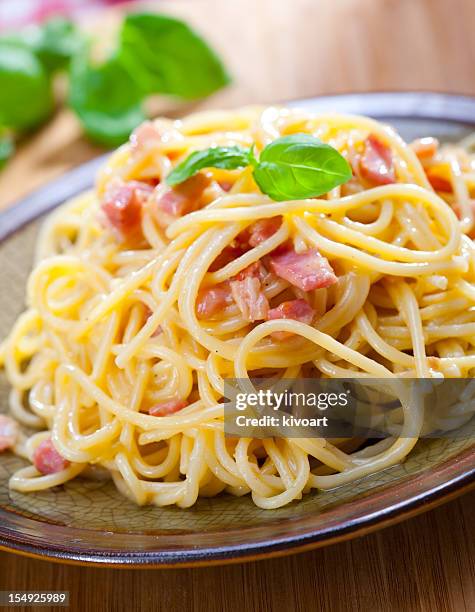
x,y
277,50
426,564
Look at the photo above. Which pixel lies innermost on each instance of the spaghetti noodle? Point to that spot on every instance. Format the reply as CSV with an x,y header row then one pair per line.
x,y
144,298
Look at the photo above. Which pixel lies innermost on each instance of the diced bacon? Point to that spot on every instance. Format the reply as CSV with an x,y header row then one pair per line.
x,y
248,293
8,432
255,270
152,181
376,164
168,407
263,229
158,330
47,460
181,199
458,211
307,271
145,136
297,310
259,231
425,148
439,183
250,298
122,205
227,255
225,185
212,300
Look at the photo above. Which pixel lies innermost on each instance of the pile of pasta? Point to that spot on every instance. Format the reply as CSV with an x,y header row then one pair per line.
x,y
144,298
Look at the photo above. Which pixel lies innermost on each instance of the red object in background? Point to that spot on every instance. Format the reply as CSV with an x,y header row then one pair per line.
x,y
15,14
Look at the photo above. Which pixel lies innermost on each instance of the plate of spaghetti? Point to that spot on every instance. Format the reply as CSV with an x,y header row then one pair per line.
x,y
324,239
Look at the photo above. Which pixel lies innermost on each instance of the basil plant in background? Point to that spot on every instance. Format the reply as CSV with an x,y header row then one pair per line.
x,y
153,54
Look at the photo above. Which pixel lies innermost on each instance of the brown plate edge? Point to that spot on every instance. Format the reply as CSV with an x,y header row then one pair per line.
x,y
365,524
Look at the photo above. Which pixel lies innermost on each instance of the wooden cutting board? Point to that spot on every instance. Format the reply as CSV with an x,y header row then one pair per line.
x,y
277,50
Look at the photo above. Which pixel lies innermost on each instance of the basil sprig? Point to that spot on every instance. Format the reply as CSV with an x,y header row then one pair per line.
x,y
227,158
289,168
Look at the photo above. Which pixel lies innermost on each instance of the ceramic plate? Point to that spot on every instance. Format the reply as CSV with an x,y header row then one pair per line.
x,y
90,522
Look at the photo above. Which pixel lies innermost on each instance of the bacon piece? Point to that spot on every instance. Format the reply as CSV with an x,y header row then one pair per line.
x,y
122,205
248,294
212,300
181,199
254,270
168,407
47,460
425,148
158,330
298,310
307,271
439,183
225,185
145,136
8,432
376,164
152,181
263,229
250,298
259,231
458,211
227,255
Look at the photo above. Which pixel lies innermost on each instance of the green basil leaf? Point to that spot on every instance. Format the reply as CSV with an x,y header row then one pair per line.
x,y
300,166
106,99
54,42
26,97
7,149
166,56
228,158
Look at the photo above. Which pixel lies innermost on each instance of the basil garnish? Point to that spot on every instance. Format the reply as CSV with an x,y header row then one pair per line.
x,y
228,158
300,166
289,168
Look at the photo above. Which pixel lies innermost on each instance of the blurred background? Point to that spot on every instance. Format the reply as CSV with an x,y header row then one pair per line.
x,y
274,50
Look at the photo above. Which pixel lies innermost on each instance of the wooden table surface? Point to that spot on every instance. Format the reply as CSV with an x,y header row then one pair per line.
x,y
277,50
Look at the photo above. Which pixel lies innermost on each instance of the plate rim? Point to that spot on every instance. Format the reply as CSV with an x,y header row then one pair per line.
x,y
418,105
193,556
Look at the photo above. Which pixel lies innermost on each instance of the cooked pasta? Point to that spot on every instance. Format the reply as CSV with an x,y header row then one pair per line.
x,y
145,298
